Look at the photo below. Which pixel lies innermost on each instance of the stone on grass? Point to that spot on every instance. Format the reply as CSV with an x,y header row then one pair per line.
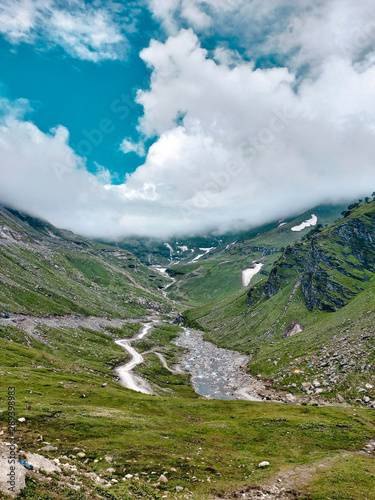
x,y
38,462
264,464
48,448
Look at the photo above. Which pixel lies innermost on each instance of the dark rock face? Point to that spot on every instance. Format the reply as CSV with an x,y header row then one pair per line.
x,y
331,266
180,320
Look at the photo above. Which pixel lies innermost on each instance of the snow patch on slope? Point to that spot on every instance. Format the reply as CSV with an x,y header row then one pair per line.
x,y
205,250
307,223
248,274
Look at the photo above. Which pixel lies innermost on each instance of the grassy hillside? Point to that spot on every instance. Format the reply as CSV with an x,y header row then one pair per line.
x,y
208,447
44,270
314,313
218,274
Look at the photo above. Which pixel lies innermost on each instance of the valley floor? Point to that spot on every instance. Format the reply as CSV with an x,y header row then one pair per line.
x,y
67,398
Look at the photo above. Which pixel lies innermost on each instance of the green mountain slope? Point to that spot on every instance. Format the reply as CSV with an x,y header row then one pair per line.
x,y
217,274
313,314
44,270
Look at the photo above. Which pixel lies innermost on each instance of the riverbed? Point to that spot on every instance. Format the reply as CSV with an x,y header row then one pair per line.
x,y
216,373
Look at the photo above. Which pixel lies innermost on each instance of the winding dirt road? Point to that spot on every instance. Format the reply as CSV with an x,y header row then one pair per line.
x,y
125,372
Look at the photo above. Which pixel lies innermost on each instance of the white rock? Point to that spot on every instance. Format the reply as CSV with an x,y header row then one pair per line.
x,y
264,464
41,463
19,476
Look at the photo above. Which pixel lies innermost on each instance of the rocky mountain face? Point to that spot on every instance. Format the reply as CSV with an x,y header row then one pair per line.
x,y
330,267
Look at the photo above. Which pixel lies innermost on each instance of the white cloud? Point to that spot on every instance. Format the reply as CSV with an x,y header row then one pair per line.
x,y
128,146
297,33
85,31
236,146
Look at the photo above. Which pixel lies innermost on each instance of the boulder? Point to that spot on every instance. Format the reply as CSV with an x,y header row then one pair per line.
x,y
38,462
48,448
18,473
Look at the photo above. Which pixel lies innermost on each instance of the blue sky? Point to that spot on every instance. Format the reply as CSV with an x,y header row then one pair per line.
x,y
79,94
172,117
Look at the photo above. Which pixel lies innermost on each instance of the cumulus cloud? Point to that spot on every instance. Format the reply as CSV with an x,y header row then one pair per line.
x,y
85,31
243,145
294,33
236,145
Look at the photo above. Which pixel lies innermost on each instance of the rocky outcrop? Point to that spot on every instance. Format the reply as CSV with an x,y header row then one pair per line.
x,y
332,265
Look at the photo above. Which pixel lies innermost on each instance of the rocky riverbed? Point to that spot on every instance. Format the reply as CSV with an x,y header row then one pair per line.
x,y
218,373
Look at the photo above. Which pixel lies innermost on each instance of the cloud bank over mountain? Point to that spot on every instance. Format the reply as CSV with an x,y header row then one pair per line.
x,y
238,139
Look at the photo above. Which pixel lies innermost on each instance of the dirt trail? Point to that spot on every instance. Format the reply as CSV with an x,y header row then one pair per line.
x,y
30,323
284,486
125,372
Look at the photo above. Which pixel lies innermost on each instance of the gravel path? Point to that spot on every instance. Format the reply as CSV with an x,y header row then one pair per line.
x,y
125,372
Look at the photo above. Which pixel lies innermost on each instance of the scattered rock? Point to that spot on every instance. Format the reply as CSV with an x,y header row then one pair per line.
x,y
306,386
81,454
48,448
264,464
109,460
162,479
293,329
38,462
